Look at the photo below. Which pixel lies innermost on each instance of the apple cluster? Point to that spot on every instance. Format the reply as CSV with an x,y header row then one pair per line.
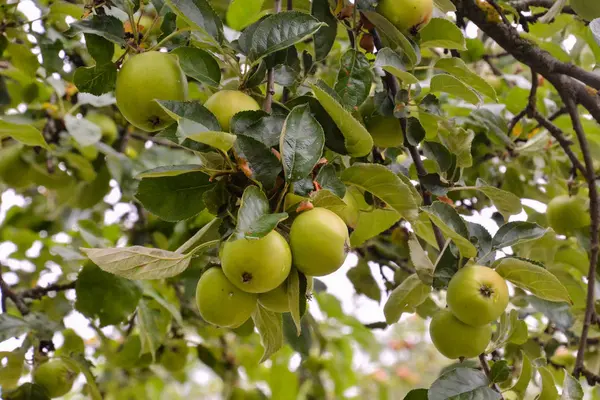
x,y
256,270
476,296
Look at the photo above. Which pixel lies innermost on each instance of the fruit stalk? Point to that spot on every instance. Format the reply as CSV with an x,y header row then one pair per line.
x,y
271,74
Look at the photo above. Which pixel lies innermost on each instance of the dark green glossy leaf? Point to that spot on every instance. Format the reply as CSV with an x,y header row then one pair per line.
x,y
199,64
301,143
327,179
96,80
354,79
199,14
263,165
106,26
325,37
471,383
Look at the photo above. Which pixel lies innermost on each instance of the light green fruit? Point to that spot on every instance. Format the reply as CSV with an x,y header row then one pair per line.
x,y
277,299
226,103
144,78
455,339
72,344
319,241
407,15
385,131
257,266
586,9
127,355
55,376
174,356
566,214
477,295
106,124
220,302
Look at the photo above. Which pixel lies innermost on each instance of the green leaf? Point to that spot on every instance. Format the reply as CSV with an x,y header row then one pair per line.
x,y
169,170
460,70
506,202
587,10
324,38
440,32
83,131
26,134
279,31
242,13
260,126
500,371
390,61
219,140
139,262
99,48
416,394
107,26
301,143
27,391
269,325
571,389
11,326
303,343
199,14
521,384
510,330
326,199
153,321
458,141
438,152
462,383
328,180
354,79
174,198
105,296
405,298
357,139
420,260
262,163
533,278
549,391
444,6
294,290
199,64
445,266
371,224
254,219
96,80
363,281
513,233
449,84
383,183
452,225
414,131
395,39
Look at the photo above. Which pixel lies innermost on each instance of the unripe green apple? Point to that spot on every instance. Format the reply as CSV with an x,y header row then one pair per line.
x,y
406,15
257,266
55,376
319,241
174,356
385,131
477,295
226,103
220,302
106,124
144,78
455,339
566,214
277,299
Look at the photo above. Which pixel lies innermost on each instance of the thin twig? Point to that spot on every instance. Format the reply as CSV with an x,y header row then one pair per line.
x,y
530,109
590,177
499,11
39,292
487,371
267,105
392,86
7,292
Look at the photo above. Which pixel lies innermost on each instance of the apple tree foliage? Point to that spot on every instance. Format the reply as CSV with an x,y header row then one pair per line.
x,y
498,113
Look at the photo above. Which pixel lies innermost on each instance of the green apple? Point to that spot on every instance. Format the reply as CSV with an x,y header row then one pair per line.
x,y
226,103
277,299
144,78
106,124
477,295
220,302
406,15
174,355
319,241
257,265
566,214
56,376
455,339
